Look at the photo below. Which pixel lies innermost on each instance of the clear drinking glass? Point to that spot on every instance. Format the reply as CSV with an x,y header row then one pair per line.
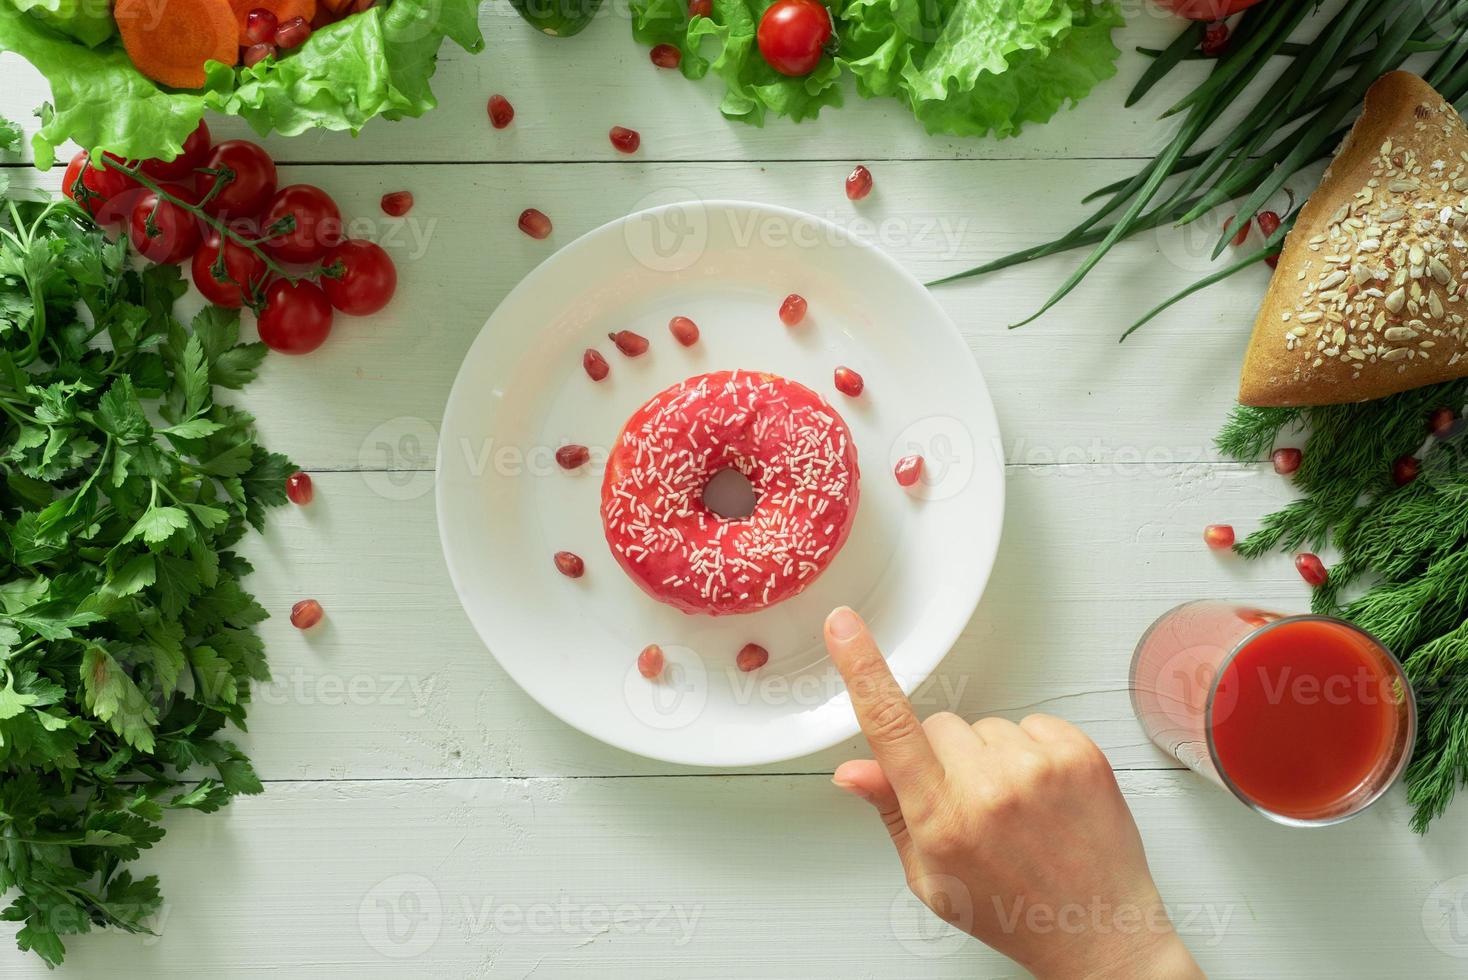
x,y
1218,684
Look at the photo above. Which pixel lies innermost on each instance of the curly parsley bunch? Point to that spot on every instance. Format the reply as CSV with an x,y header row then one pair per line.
x,y
126,638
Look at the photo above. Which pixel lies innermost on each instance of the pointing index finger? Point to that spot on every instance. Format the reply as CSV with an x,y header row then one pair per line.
x,y
897,738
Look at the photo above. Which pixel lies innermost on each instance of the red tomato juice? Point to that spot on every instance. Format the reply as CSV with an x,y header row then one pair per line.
x,y
1304,715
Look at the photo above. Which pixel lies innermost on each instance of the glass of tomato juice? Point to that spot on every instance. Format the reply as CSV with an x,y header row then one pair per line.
x,y
1307,719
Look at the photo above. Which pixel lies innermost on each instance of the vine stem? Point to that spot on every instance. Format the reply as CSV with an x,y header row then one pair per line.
x,y
136,173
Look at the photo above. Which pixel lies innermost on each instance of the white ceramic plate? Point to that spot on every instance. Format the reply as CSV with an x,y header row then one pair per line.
x,y
914,566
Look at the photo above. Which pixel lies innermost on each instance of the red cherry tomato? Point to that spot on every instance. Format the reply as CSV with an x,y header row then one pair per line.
x,y
103,185
358,277
195,152
317,223
247,192
244,272
793,35
1209,10
162,231
296,317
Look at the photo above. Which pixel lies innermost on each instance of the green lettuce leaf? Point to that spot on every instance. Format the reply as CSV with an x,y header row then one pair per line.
x,y
89,21
979,66
375,63
725,44
370,64
98,98
964,67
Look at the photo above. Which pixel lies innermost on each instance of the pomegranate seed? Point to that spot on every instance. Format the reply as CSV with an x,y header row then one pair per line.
x,y
792,311
700,8
752,657
848,382
1219,536
1215,39
256,53
1268,223
535,224
292,34
909,470
684,330
571,457
858,183
398,203
306,614
1440,422
1405,470
624,139
500,111
596,366
1242,235
1286,461
570,565
260,26
629,343
1311,569
650,661
665,56
299,489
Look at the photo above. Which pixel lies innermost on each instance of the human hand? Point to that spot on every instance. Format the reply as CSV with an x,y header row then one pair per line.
x,y
1017,834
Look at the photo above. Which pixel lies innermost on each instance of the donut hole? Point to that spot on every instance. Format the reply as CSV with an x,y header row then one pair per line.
x,y
730,495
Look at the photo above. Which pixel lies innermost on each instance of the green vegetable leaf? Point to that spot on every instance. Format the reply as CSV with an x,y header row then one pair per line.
x,y
231,364
193,376
117,578
98,98
373,63
86,20
12,702
112,697
137,574
971,67
120,413
964,67
157,525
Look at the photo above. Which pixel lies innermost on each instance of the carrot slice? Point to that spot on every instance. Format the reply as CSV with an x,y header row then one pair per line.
x,y
283,10
170,40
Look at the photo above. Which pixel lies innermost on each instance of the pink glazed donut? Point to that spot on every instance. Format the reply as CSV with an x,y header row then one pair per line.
x,y
799,458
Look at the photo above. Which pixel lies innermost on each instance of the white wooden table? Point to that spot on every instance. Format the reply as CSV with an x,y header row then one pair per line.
x,y
423,817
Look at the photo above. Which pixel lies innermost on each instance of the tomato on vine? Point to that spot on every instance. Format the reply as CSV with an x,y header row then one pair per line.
x,y
162,231
312,219
243,271
296,316
358,277
98,187
793,35
250,182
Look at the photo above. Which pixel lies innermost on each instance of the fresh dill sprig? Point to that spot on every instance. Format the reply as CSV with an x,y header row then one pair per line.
x,y
1403,550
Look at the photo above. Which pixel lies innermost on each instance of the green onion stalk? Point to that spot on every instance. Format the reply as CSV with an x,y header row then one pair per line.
x,y
1295,122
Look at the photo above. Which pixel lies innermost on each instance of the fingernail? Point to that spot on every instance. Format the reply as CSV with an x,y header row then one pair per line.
x,y
843,624
852,788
